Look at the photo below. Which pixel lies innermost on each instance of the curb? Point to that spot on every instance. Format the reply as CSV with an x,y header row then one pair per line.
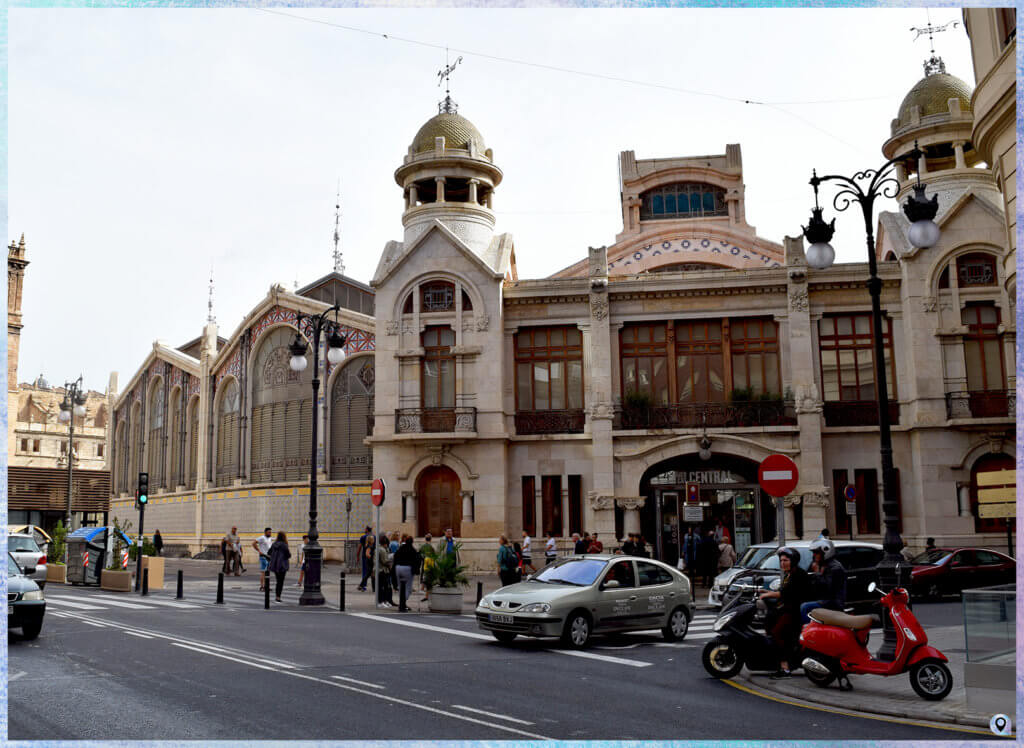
x,y
928,711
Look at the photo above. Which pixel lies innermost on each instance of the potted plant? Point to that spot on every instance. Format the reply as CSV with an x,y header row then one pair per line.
x,y
56,571
637,409
115,578
443,578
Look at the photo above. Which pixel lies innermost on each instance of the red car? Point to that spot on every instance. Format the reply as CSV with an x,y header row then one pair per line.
x,y
943,571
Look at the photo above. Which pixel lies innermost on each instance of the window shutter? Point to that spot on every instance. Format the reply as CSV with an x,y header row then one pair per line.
x,y
193,449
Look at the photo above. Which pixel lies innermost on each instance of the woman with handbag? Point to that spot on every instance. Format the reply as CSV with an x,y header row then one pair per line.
x,y
279,555
384,561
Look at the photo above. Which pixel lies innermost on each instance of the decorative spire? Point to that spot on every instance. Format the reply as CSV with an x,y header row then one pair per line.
x,y
339,266
934,63
21,244
210,318
449,104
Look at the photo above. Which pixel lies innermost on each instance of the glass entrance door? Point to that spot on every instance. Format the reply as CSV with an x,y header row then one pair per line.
x,y
668,530
744,519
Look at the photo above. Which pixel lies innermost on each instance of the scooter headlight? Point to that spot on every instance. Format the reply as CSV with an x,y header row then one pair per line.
x,y
723,621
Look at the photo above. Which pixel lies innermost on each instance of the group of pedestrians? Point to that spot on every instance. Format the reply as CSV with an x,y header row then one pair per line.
x,y
273,553
399,562
705,552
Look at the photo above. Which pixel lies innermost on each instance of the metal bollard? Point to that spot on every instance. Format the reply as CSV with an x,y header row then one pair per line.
x,y
479,592
220,588
266,593
145,582
341,594
181,584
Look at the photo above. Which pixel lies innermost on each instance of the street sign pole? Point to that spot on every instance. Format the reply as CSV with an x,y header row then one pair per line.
x,y
348,520
377,498
778,476
850,492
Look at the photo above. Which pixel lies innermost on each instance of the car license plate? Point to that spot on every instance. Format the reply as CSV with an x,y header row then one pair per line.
x,y
10,610
497,618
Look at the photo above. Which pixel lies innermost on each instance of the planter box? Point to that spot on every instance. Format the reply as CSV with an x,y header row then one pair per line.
x,y
155,564
116,581
57,573
445,600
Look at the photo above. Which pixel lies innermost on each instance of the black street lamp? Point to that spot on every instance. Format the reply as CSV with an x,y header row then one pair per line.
x,y
313,552
862,189
73,406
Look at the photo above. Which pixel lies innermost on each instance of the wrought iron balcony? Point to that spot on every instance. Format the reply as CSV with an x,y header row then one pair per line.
x,y
717,415
981,404
434,420
550,421
858,412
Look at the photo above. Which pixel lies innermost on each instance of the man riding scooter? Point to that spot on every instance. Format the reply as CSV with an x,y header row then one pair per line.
x,y
827,580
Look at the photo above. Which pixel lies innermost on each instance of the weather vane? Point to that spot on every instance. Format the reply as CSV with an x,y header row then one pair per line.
x,y
448,105
933,64
339,266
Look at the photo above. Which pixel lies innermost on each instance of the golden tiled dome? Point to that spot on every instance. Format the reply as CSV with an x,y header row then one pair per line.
x,y
931,94
456,130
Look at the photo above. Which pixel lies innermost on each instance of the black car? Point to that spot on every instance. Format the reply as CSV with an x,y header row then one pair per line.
x,y
25,603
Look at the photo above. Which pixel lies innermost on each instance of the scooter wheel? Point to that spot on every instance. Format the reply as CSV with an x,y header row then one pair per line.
x,y
931,680
821,681
721,659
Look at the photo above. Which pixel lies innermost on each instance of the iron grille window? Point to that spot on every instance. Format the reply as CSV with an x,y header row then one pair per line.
x,y
549,368
438,296
227,434
683,200
351,411
976,269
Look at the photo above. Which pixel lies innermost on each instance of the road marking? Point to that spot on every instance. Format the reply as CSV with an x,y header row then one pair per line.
x,y
132,633
471,635
97,625
78,606
149,601
360,682
15,677
392,699
491,714
119,604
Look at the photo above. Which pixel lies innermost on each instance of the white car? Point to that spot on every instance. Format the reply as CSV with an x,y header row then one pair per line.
x,y
28,555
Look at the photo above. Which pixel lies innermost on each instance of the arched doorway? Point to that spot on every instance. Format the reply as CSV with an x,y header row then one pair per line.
x,y
438,501
728,491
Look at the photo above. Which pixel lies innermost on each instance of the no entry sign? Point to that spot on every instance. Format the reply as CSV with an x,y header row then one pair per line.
x,y
377,492
778,475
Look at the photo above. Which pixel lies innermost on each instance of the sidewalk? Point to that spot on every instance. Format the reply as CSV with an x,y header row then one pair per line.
x,y
891,696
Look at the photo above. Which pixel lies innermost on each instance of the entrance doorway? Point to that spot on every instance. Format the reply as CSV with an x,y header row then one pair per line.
x,y
438,501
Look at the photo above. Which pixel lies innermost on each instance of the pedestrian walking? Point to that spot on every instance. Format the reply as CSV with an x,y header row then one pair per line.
x,y
929,544
367,562
448,544
707,557
368,556
726,554
232,543
629,546
427,554
393,543
550,549
518,550
302,560
579,547
641,546
507,563
527,555
406,563
278,562
596,546
691,541
158,543
384,563
262,545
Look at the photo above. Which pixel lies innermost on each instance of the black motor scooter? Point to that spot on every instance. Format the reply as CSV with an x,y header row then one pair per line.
x,y
740,627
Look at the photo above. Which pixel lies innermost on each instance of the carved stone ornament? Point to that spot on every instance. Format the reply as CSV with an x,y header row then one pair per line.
x,y
393,326
798,300
817,498
598,502
807,400
482,323
929,303
597,267
599,308
630,502
603,411
791,501
995,443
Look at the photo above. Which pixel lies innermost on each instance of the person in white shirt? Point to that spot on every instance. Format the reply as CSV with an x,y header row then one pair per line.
x,y
550,549
262,545
527,556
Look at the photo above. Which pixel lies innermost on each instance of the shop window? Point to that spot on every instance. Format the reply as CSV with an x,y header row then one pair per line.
x,y
529,506
976,269
866,482
549,368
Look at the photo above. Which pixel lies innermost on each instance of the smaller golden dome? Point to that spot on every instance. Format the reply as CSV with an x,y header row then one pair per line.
x,y
456,130
932,94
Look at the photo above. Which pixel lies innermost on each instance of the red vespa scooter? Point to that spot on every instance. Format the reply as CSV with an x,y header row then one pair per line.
x,y
836,645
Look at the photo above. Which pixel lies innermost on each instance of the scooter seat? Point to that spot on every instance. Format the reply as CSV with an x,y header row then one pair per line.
x,y
835,618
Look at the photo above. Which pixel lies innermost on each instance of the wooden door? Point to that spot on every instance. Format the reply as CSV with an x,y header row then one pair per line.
x,y
439,501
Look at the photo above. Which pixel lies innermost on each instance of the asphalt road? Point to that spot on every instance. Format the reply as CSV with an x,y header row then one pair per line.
x,y
101,670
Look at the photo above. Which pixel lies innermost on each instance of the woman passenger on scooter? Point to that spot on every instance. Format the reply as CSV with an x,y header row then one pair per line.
x,y
793,591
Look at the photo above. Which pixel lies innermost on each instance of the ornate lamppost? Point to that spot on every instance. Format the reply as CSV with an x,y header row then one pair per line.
x,y
73,406
862,188
313,552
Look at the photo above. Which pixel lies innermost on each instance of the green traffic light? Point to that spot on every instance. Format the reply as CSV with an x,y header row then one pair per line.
x,y
143,499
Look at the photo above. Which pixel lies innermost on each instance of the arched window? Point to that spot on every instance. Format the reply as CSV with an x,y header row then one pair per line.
x,y
193,441
281,412
227,433
155,447
683,200
351,413
120,463
976,269
437,296
135,462
174,476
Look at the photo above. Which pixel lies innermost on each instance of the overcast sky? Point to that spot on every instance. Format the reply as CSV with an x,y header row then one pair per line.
x,y
148,145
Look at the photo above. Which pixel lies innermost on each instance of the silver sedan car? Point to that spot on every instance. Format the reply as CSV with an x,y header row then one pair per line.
x,y
582,595
28,555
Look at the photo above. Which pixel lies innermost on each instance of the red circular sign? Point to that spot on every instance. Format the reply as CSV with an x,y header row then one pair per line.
x,y
778,475
377,492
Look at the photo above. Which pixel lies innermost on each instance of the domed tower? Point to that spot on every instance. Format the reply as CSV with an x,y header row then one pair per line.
x,y
936,114
449,174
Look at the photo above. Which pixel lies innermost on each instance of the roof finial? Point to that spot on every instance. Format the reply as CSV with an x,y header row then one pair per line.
x,y
209,304
933,64
448,105
339,266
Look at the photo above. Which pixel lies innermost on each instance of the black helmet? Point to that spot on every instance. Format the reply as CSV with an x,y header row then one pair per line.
x,y
792,553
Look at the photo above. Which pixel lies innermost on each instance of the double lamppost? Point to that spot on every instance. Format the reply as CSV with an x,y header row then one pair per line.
x,y
73,406
316,323
863,188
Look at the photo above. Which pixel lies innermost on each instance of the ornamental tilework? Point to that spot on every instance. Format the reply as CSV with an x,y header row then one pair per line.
x,y
685,246
234,367
193,385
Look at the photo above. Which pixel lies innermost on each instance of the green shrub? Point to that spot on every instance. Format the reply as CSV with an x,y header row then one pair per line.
x,y
445,571
148,549
58,544
637,400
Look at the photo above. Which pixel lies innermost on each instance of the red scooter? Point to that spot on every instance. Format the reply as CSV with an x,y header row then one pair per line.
x,y
836,645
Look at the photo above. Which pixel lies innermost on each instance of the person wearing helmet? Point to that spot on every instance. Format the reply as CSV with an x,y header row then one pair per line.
x,y
785,630
827,580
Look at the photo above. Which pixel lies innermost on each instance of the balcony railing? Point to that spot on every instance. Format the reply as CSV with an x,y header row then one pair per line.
x,y
550,421
858,412
981,404
434,420
717,415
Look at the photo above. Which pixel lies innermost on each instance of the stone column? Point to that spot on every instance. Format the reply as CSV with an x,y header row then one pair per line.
x,y
413,195
208,349
439,181
467,507
598,394
630,506
473,183
409,499
958,150
922,165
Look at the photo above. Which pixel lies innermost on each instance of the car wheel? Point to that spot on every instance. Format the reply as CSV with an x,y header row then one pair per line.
x,y
677,626
721,659
931,680
577,630
31,630
505,637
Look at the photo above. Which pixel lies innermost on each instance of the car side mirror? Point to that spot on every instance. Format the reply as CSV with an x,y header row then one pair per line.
x,y
610,584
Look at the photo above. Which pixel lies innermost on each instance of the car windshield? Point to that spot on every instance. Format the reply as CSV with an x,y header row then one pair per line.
x,y
931,557
12,566
753,556
580,572
771,563
15,543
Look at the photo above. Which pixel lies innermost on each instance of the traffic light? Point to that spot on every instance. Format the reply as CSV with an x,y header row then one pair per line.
x,y
142,495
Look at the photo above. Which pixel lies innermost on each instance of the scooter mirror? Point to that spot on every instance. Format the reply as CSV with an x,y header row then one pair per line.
x,y
872,587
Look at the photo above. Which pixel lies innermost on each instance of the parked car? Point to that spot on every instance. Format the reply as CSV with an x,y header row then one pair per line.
x,y
582,595
860,560
750,559
944,571
25,603
28,554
